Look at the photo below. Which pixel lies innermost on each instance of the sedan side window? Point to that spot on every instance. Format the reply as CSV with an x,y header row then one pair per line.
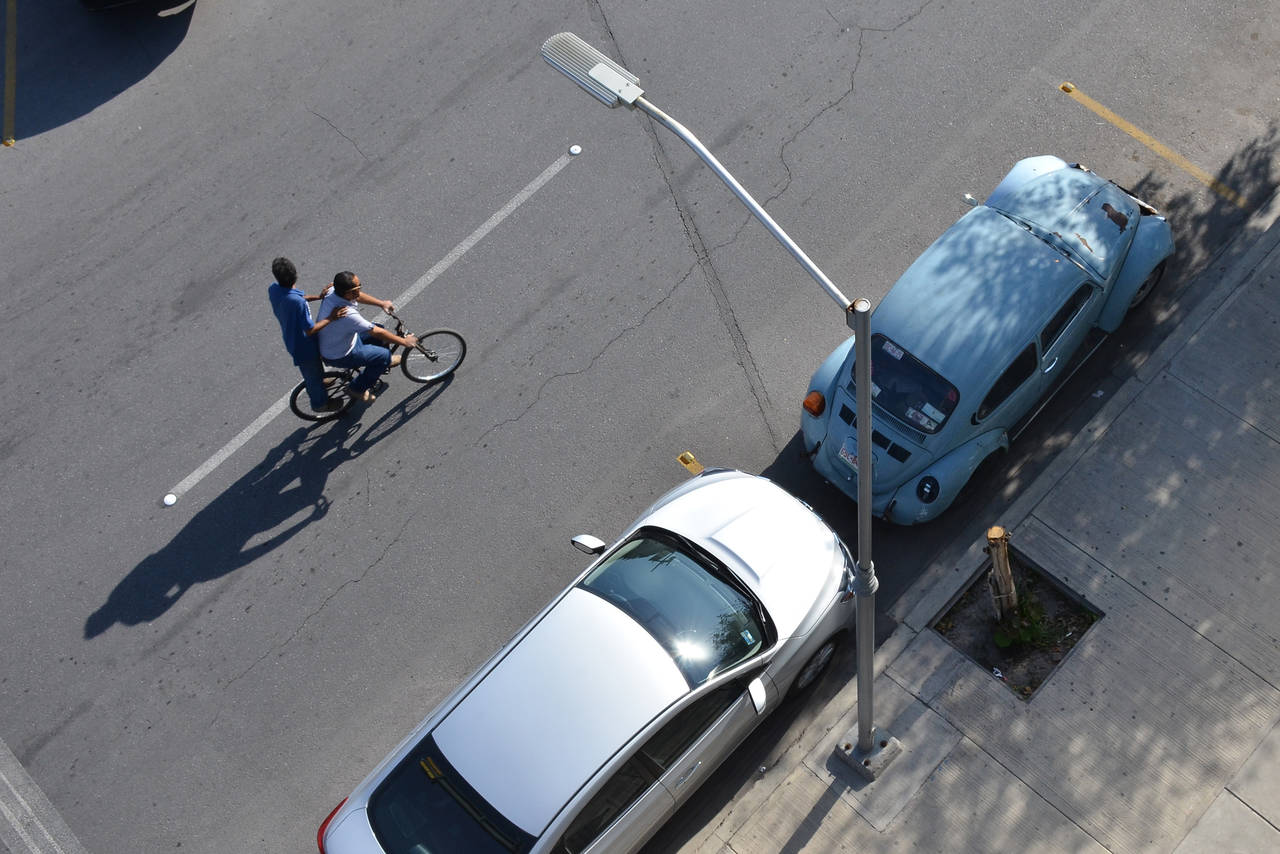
x,y
643,770
681,731
622,790
1059,321
1023,367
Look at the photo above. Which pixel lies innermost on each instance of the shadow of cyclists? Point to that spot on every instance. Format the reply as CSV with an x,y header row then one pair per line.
x,y
396,415
285,489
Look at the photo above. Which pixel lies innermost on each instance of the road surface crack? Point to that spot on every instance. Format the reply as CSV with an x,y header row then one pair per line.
x,y
338,130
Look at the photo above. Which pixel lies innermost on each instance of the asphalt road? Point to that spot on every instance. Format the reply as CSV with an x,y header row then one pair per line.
x,y
216,675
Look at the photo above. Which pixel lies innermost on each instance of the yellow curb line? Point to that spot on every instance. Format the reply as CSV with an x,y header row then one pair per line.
x,y
1156,146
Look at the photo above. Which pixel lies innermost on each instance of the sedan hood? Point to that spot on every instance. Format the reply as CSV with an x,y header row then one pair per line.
x,y
779,548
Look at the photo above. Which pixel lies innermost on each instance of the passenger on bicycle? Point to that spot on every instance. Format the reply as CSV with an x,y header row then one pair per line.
x,y
290,306
351,341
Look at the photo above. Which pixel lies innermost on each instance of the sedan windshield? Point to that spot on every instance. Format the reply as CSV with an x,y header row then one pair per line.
x,y
691,605
907,389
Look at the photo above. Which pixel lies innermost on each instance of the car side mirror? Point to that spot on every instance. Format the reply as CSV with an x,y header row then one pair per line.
x,y
757,692
589,544
970,200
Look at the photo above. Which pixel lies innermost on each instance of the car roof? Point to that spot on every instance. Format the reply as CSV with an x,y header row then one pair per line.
x,y
975,297
569,695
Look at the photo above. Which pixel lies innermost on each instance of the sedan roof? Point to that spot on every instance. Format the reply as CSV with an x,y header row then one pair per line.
x,y
975,297
575,689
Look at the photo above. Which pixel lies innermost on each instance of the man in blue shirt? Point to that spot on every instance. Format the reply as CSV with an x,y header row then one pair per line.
x,y
291,309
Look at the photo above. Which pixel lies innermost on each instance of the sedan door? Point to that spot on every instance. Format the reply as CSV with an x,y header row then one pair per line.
x,y
663,772
694,743
622,815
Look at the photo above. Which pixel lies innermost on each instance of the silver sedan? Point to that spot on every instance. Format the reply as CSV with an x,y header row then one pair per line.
x,y
604,713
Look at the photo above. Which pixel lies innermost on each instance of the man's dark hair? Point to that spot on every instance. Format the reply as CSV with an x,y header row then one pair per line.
x,y
344,282
284,271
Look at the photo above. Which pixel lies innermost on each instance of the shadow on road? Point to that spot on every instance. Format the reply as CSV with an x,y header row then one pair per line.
x,y
286,488
71,60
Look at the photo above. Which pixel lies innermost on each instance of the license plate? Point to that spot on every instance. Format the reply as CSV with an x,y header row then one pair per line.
x,y
848,453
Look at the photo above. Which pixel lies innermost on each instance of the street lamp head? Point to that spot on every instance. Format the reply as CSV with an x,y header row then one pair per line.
x,y
604,79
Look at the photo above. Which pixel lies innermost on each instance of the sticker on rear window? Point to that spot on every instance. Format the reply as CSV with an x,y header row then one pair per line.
x,y
747,637
892,349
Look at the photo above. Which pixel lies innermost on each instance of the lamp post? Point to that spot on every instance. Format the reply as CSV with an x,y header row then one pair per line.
x,y
612,85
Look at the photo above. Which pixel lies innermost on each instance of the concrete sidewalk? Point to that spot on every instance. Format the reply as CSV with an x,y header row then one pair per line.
x,y
1159,731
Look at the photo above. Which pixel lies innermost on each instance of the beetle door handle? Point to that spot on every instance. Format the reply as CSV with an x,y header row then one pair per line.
x,y
1049,367
687,774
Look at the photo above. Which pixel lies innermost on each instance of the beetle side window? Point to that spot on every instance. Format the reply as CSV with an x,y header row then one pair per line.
x,y
1058,323
1015,375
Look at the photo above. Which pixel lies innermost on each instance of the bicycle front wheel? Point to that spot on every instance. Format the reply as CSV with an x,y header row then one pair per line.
x,y
300,401
436,356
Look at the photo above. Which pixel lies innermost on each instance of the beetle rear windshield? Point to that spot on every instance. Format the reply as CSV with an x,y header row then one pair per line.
x,y
425,807
702,616
908,389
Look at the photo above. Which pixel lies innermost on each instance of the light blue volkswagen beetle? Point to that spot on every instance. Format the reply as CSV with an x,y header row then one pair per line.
x,y
981,329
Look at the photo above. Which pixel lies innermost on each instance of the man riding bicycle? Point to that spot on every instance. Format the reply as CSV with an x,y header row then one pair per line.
x,y
351,341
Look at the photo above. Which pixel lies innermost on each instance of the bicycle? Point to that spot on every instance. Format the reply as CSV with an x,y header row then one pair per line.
x,y
436,356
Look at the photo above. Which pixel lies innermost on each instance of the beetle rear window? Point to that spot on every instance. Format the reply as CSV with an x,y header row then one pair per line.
x,y
908,389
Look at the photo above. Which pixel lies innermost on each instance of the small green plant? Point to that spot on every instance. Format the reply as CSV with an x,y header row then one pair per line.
x,y
1025,626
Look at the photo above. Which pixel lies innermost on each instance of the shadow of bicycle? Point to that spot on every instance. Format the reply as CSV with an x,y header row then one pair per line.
x,y
285,491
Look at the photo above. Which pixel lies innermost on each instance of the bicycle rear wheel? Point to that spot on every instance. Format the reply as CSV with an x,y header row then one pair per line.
x,y
300,401
438,354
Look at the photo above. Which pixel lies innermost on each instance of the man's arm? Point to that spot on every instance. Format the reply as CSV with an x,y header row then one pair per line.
x,y
384,304
340,311
321,295
391,338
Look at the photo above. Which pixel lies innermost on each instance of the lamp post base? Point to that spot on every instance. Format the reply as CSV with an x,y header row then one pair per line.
x,y
884,749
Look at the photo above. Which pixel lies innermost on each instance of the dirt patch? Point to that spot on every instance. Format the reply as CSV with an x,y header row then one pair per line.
x,y
1024,651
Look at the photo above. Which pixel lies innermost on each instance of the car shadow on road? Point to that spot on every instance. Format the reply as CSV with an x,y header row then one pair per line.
x,y
71,60
285,489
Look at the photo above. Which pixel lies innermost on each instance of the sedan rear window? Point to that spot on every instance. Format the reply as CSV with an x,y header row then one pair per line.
x,y
908,389
701,615
425,807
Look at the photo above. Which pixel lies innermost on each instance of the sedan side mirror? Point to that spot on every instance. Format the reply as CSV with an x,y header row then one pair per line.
x,y
589,544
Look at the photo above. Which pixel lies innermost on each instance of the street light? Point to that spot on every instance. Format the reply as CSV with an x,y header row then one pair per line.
x,y
612,85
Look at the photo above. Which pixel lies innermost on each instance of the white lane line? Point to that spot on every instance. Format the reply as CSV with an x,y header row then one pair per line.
x,y
31,813
416,288
489,225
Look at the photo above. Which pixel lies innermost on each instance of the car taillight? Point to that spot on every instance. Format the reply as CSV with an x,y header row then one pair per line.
x,y
324,825
815,404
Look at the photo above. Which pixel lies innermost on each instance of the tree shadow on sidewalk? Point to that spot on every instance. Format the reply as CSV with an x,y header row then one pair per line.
x,y
285,489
